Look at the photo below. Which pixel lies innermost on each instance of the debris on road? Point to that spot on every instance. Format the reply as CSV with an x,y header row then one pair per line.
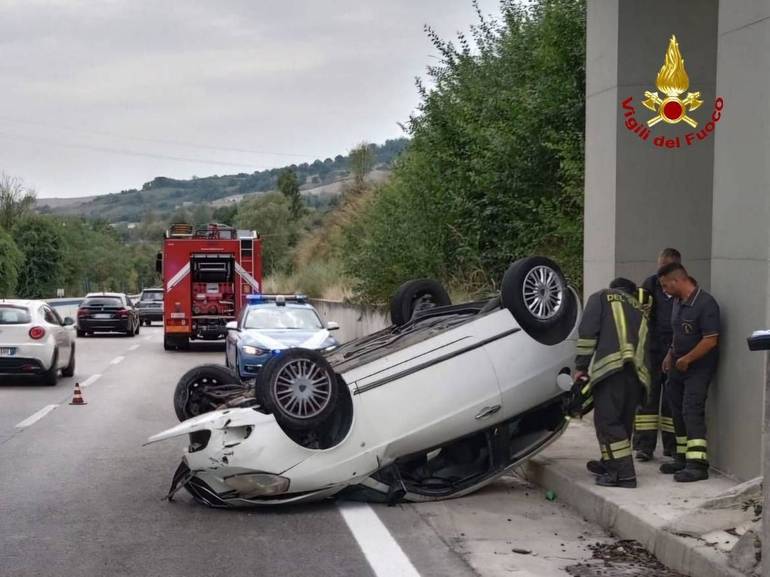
x,y
620,559
550,495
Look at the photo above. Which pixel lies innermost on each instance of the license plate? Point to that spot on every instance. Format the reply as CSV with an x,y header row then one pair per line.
x,y
102,316
7,351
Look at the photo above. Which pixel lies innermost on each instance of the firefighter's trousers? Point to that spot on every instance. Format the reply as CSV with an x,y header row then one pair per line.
x,y
615,402
687,393
655,414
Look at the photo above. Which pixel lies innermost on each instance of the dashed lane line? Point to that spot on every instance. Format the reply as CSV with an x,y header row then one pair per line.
x,y
90,380
382,552
31,420
117,360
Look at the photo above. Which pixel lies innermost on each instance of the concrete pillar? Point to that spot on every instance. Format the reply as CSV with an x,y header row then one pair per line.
x,y
741,241
639,197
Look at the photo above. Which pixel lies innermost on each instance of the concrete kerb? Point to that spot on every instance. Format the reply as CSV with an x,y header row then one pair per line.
x,y
611,509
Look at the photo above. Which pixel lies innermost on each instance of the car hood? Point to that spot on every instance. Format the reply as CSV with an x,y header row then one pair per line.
x,y
283,339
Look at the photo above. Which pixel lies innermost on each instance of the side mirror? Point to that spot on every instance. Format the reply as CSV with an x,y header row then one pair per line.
x,y
69,321
232,326
332,326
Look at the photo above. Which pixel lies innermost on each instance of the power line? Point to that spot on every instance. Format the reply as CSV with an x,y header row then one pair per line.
x,y
126,152
158,140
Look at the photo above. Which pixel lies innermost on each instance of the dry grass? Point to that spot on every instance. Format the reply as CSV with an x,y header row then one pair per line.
x,y
318,279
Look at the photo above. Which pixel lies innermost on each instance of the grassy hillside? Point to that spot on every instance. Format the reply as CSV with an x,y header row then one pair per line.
x,y
162,196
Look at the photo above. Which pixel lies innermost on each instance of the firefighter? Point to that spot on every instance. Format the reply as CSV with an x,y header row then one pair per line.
x,y
611,352
690,363
655,413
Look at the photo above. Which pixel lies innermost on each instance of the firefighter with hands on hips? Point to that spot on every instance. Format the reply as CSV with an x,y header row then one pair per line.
x,y
611,353
690,363
655,413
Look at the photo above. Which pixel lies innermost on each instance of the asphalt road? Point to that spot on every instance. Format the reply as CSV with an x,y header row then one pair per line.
x,y
80,495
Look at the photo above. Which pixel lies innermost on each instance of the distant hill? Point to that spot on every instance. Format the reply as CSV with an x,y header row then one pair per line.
x,y
162,196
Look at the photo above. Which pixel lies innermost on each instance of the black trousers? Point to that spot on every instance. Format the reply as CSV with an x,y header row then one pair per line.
x,y
615,402
687,393
655,414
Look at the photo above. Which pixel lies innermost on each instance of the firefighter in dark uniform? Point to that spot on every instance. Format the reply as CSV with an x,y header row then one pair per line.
x,y
611,352
655,413
691,363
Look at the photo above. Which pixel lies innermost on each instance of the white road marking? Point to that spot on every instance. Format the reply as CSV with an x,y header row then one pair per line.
x,y
90,380
117,360
133,347
36,417
381,550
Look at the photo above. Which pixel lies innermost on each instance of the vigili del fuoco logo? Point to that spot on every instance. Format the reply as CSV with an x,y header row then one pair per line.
x,y
669,106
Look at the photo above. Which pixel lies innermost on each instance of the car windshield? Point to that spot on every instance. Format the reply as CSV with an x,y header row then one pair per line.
x,y
275,317
103,302
152,296
13,315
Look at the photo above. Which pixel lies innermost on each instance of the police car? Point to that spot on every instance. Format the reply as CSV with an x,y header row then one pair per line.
x,y
269,324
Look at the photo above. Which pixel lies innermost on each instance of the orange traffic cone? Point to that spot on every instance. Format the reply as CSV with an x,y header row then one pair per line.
x,y
77,397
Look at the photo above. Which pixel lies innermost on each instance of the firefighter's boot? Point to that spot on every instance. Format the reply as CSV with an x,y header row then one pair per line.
x,y
692,473
673,467
596,467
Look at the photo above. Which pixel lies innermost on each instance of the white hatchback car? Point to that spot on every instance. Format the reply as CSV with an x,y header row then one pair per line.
x,y
441,403
34,340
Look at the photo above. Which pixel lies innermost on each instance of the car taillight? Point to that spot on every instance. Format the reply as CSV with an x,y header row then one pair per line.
x,y
122,313
36,333
82,313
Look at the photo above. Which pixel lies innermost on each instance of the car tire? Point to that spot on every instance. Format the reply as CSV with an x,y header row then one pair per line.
x,y
69,370
190,398
282,386
536,293
414,295
51,376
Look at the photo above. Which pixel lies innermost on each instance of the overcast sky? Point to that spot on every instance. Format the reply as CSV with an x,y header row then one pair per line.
x,y
101,96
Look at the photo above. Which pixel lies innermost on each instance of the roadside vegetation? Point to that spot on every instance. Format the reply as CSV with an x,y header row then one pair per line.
x,y
492,170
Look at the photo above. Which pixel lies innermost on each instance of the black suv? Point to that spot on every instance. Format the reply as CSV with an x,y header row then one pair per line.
x,y
150,306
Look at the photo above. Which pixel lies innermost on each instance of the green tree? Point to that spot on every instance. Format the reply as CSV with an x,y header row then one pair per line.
x,y
11,260
272,218
362,161
41,242
494,168
225,214
288,184
16,200
201,215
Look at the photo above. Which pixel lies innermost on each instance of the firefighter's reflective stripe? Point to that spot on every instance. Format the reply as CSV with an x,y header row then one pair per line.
x,y
615,361
618,450
646,423
667,425
681,445
586,347
697,450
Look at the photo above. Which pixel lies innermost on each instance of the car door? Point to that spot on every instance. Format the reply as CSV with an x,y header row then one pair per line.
x,y
55,325
431,392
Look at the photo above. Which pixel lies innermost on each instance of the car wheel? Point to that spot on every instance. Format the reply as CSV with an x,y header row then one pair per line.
x,y
51,376
536,293
416,295
300,388
69,370
203,389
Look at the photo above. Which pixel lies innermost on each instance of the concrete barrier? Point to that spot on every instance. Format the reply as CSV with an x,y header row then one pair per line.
x,y
355,320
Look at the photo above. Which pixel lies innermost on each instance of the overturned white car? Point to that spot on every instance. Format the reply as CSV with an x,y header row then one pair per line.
x,y
438,405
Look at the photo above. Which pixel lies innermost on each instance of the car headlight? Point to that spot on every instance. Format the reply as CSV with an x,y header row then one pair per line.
x,y
257,484
256,351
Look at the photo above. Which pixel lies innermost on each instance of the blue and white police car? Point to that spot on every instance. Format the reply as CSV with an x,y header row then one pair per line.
x,y
269,324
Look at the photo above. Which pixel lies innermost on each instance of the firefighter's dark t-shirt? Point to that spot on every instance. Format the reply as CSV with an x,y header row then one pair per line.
x,y
693,319
660,315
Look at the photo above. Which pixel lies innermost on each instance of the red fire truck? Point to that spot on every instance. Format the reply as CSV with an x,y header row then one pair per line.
x,y
207,274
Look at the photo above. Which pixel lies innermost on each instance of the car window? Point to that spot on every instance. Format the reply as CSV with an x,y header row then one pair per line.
x,y
274,317
51,316
152,296
12,315
103,302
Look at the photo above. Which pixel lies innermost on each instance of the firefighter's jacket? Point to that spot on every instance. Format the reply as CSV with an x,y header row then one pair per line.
x,y
612,332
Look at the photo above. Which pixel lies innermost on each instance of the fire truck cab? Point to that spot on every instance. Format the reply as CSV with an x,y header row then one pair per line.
x,y
207,274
